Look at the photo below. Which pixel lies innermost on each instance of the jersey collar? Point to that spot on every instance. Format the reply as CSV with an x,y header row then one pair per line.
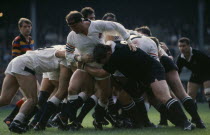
x,y
191,54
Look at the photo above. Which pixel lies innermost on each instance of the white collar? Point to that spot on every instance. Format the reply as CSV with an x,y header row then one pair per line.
x,y
191,54
112,44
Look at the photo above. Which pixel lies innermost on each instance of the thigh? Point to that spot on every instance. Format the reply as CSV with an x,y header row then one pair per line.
x,y
192,89
28,84
77,81
161,91
9,87
65,75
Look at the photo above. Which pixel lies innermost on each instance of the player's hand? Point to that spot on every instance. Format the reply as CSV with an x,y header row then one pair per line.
x,y
132,46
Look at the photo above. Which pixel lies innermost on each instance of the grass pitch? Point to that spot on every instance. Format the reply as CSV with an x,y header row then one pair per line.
x,y
204,112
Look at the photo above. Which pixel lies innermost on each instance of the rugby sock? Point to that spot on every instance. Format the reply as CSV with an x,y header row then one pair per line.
x,y
113,107
100,111
190,107
49,109
88,105
73,104
175,112
141,107
19,117
163,114
31,114
42,98
15,110
64,108
131,111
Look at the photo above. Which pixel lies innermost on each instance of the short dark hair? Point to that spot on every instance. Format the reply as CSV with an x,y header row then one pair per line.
x,y
144,30
184,40
113,16
86,11
73,17
100,52
23,20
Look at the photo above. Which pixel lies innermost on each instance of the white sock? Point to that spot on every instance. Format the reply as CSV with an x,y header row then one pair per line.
x,y
94,98
55,100
83,96
101,104
20,117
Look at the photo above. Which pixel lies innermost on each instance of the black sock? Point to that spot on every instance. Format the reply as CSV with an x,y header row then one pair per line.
x,y
31,114
141,107
49,109
131,111
88,105
100,113
112,107
175,112
13,113
190,107
42,98
73,106
161,108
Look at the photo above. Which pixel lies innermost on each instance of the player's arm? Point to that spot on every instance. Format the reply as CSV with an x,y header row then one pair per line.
x,y
101,73
60,54
114,26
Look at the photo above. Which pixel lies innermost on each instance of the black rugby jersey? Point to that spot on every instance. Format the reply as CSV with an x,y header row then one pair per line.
x,y
199,62
137,65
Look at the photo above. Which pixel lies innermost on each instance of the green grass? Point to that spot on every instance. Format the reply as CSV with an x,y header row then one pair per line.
x,y
89,129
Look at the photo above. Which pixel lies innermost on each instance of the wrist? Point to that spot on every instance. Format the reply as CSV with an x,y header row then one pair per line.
x,y
77,58
129,41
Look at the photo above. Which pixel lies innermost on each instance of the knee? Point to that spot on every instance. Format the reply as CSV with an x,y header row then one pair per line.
x,y
32,101
72,91
4,101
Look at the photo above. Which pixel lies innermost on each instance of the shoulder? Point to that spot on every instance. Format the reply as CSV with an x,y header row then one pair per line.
x,y
17,39
71,37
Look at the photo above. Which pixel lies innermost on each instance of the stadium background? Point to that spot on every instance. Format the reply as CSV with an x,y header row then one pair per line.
x,y
169,20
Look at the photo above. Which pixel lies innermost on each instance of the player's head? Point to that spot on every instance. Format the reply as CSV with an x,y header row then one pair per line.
x,y
184,45
74,20
25,26
109,17
145,30
88,13
101,53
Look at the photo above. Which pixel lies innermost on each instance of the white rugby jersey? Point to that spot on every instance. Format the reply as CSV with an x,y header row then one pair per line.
x,y
85,44
146,44
44,59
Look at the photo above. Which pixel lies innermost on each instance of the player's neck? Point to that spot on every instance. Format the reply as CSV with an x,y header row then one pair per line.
x,y
26,37
86,26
